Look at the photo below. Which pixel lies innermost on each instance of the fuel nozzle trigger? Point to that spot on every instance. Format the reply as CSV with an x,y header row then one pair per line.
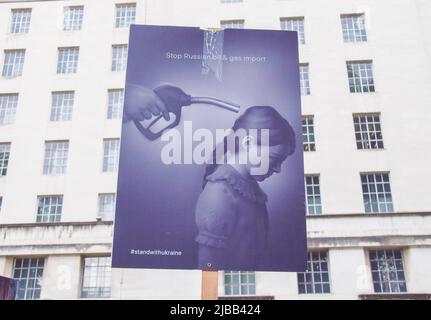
x,y
174,99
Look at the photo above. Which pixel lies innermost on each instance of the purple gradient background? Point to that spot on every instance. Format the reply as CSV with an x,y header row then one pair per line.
x,y
156,202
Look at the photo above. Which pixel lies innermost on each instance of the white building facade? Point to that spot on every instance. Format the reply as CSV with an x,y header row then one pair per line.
x,y
366,93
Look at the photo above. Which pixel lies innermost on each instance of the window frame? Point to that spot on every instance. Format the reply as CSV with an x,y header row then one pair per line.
x,y
300,22
310,145
125,24
354,80
57,112
313,273
14,70
65,66
317,209
249,285
7,150
305,83
72,23
115,166
83,268
401,252
104,215
352,36
391,203
8,107
232,24
49,171
112,108
119,64
27,278
52,218
11,27
369,142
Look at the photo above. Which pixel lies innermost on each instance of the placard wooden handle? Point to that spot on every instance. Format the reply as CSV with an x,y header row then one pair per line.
x,y
209,290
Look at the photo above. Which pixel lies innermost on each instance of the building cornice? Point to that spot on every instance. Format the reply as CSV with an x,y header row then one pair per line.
x,y
373,215
354,231
55,224
311,217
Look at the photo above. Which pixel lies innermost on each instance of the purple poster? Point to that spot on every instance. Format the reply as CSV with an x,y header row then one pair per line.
x,y
211,169
7,288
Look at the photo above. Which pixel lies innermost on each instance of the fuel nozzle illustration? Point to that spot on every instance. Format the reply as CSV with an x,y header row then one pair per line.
x,y
175,99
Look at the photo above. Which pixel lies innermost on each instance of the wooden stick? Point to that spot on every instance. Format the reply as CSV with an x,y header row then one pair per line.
x,y
209,289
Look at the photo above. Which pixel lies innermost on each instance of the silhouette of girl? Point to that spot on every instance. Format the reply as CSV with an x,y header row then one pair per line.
x,y
231,213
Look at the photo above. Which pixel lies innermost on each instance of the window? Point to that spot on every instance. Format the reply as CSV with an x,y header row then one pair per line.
x,y
115,103
8,105
28,272
231,1
239,283
125,14
316,278
387,271
110,154
304,79
20,20
360,75
67,60
13,63
294,24
96,281
49,208
107,206
308,133
73,17
353,27
119,57
376,192
232,24
55,162
62,106
368,131
4,158
312,192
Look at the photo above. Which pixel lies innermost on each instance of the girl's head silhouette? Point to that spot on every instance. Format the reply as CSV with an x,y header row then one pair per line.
x,y
281,137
